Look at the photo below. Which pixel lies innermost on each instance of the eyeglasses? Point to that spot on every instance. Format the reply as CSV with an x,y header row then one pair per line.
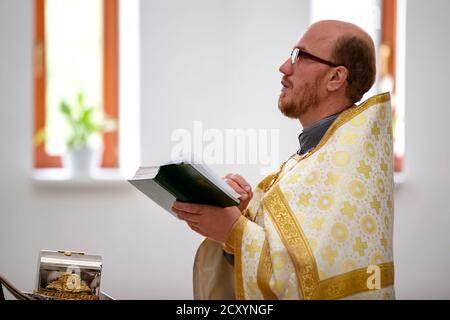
x,y
298,53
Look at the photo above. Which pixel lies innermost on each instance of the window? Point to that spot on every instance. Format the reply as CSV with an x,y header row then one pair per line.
x,y
76,50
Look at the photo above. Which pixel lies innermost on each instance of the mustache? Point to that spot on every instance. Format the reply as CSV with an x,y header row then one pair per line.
x,y
286,81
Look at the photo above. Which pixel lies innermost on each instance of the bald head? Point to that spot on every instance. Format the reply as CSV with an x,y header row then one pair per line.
x,y
348,45
333,69
332,30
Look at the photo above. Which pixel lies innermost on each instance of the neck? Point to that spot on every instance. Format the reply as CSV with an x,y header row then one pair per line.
x,y
322,110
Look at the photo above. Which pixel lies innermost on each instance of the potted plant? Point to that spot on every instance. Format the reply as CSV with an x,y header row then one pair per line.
x,y
84,123
80,157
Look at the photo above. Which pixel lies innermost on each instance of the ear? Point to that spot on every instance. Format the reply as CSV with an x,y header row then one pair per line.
x,y
337,79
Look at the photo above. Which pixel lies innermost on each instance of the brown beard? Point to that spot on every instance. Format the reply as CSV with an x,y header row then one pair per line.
x,y
301,100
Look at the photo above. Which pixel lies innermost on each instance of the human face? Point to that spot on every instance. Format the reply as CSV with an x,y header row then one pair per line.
x,y
302,80
294,101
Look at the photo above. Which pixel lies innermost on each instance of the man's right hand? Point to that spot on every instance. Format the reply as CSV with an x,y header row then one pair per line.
x,y
241,186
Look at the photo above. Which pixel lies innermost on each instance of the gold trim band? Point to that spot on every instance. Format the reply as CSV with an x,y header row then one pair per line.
x,y
353,282
264,184
345,117
235,242
264,273
295,242
304,262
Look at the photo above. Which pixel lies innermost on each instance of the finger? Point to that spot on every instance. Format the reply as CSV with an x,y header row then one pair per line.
x,y
188,207
195,228
177,213
193,224
235,177
228,175
236,187
187,220
191,218
183,215
239,180
242,182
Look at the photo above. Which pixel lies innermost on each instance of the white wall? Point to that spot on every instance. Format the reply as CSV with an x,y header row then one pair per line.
x,y
422,223
147,254
216,61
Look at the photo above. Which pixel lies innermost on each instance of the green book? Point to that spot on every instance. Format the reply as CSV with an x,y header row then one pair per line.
x,y
184,181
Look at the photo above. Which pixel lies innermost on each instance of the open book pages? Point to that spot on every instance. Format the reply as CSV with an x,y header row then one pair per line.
x,y
146,173
218,181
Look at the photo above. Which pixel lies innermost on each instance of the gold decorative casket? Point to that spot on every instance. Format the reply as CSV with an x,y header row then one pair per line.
x,y
68,275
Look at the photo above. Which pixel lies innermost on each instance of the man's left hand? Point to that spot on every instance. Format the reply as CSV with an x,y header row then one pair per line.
x,y
210,221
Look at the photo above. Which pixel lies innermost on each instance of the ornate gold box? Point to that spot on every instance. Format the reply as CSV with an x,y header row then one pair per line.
x,y
68,275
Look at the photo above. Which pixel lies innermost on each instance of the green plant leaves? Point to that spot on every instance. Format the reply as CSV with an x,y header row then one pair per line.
x,y
65,109
80,99
81,121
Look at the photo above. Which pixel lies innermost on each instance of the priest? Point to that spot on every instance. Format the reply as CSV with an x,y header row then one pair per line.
x,y
321,226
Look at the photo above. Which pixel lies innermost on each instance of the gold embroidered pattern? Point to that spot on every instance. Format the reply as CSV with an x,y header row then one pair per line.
x,y
235,242
345,117
293,228
305,266
264,273
353,282
295,242
265,183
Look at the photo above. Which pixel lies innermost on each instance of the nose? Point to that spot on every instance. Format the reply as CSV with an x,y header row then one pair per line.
x,y
286,67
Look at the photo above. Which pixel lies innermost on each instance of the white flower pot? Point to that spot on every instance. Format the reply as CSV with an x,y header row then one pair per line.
x,y
81,162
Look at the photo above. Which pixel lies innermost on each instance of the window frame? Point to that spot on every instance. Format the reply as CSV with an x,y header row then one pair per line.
x,y
110,157
389,38
389,34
